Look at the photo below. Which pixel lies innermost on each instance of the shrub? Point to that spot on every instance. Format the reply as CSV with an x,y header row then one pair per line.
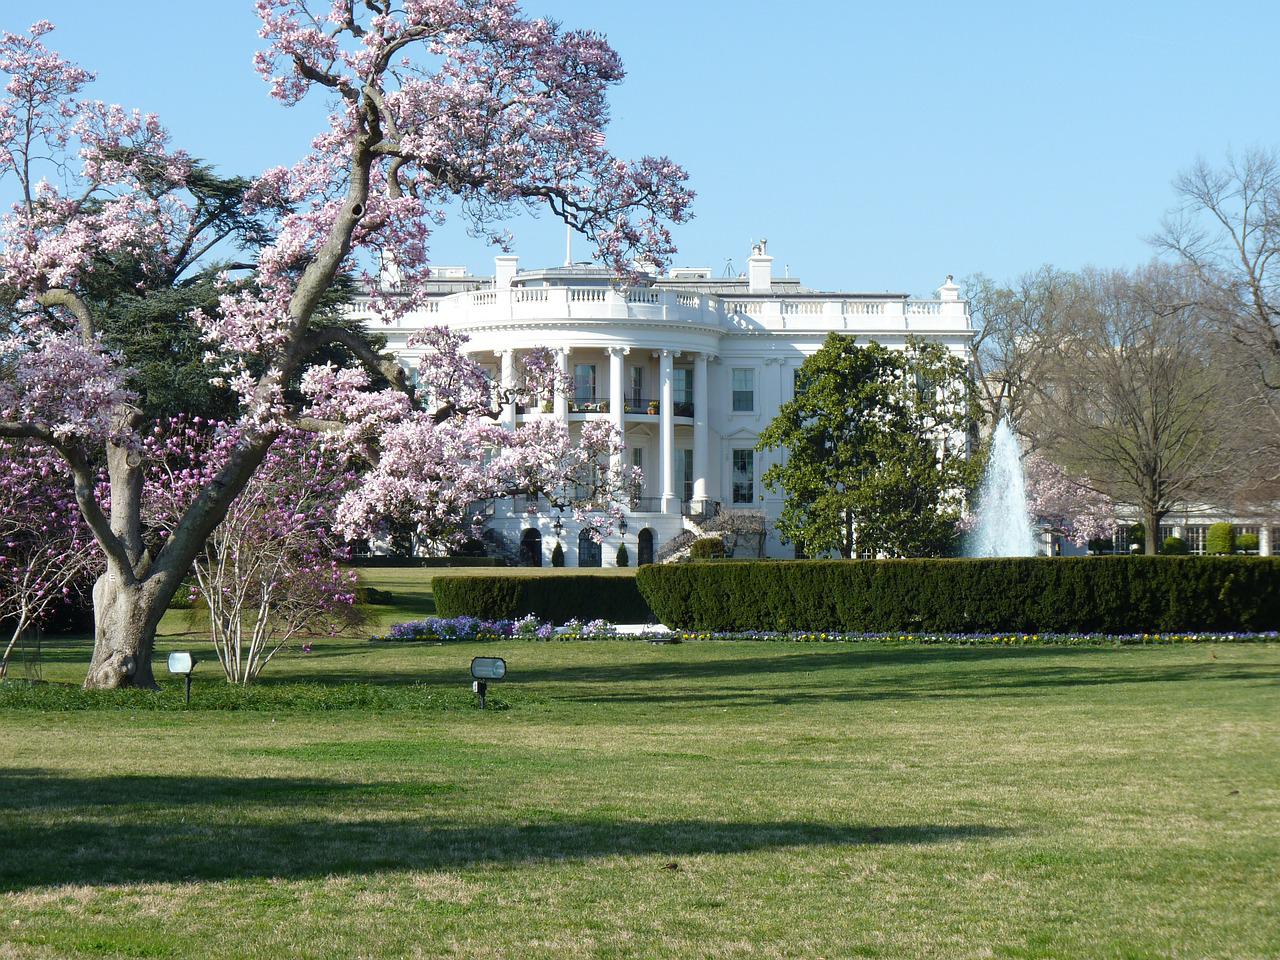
x,y
1174,547
1061,595
622,558
1248,543
1220,539
558,598
374,595
557,556
707,548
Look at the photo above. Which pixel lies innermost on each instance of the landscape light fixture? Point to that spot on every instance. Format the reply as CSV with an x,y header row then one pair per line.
x,y
181,662
483,670
557,526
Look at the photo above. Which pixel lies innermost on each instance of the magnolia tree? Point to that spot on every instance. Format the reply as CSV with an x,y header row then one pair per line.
x,y
270,570
47,555
447,103
1067,503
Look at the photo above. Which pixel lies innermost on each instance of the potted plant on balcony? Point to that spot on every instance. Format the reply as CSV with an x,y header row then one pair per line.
x,y
653,408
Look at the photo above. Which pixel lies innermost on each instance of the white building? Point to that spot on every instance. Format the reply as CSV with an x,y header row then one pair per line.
x,y
692,369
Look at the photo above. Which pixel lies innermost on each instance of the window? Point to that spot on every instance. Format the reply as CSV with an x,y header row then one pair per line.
x,y
797,382
683,385
637,385
684,473
1195,537
744,476
744,390
584,381
637,457
589,554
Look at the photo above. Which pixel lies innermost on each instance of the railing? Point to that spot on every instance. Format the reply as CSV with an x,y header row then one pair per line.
x,y
641,405
700,509
530,505
862,308
802,307
644,405
646,504
588,404
679,306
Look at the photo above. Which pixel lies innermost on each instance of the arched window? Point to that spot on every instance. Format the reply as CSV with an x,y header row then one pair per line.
x,y
531,548
588,551
644,547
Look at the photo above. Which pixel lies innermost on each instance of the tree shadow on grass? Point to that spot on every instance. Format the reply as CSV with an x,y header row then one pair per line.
x,y
858,673
235,828
726,662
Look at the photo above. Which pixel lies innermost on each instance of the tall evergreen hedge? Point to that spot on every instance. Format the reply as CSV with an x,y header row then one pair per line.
x,y
558,598
1046,595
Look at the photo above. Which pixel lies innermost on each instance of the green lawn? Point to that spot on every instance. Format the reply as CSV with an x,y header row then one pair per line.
x,y
633,800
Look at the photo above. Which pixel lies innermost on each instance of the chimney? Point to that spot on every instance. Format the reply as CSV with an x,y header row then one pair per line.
x,y
760,269
504,271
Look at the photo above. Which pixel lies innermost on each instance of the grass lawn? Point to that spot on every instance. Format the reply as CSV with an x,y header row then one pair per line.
x,y
693,800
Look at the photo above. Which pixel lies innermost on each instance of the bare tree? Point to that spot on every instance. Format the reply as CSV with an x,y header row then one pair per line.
x,y
1134,394
1226,230
1014,323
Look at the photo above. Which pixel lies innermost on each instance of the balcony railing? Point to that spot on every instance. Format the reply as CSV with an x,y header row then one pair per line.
x,y
679,408
588,404
646,504
699,509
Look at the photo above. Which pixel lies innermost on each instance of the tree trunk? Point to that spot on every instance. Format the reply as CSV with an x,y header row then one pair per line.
x,y
124,631
1151,518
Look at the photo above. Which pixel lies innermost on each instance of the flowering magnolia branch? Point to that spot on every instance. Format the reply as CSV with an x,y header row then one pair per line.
x,y
437,104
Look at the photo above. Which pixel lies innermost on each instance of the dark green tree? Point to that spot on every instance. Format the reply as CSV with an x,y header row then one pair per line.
x,y
872,456
144,304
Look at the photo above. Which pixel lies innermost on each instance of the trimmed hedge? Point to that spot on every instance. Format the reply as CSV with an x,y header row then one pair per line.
x,y
1032,595
1174,547
557,598
1220,539
707,548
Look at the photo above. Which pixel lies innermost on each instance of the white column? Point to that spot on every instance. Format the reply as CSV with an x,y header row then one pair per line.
x,y
666,377
617,402
700,439
560,407
508,382
1265,546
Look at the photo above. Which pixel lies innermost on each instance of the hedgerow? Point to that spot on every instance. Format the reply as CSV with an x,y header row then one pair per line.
x,y
558,598
1085,595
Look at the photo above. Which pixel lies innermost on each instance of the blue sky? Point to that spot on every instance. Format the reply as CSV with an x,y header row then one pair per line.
x,y
877,146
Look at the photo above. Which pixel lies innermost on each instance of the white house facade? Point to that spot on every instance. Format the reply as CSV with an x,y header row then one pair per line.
x,y
690,368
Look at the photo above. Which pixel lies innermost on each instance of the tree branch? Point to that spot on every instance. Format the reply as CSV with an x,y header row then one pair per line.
x,y
64,298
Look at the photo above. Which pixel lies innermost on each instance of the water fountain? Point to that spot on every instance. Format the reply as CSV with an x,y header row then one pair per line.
x,y
1003,525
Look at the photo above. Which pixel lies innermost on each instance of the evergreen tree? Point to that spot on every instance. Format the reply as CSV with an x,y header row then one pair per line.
x,y
871,458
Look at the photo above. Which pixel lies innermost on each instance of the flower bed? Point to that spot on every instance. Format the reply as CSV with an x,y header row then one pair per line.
x,y
988,639
472,629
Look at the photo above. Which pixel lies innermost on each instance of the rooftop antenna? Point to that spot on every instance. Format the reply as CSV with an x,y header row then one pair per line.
x,y
728,269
